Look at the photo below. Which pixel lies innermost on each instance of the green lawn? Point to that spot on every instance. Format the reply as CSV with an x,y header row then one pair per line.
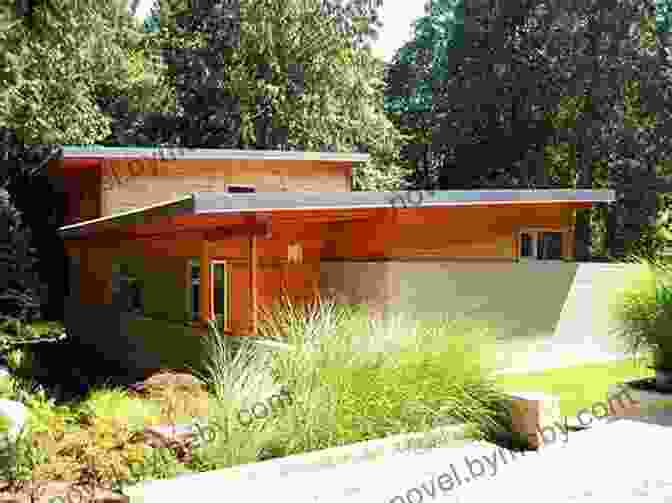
x,y
578,387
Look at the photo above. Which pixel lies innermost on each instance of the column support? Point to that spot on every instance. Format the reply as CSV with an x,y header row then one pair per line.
x,y
205,287
253,282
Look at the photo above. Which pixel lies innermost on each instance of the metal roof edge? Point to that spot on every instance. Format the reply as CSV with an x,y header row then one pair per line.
x,y
176,153
183,204
213,202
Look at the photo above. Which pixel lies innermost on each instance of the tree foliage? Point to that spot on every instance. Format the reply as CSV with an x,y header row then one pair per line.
x,y
55,63
559,92
19,284
299,77
58,64
416,67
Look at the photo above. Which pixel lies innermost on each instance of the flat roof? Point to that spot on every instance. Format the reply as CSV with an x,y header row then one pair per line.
x,y
176,153
209,203
222,202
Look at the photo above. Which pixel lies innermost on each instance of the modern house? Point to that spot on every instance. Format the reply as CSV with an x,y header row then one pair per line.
x,y
158,246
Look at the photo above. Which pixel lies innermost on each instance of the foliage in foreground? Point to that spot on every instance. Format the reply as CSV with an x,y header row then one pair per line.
x,y
643,311
351,378
95,441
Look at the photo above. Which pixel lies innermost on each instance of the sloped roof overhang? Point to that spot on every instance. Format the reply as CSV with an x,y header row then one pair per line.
x,y
252,213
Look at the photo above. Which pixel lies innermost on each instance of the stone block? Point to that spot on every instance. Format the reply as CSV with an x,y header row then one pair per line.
x,y
531,412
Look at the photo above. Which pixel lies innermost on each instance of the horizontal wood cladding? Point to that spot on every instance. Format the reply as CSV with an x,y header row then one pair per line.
x,y
457,232
95,276
130,184
299,282
80,189
319,177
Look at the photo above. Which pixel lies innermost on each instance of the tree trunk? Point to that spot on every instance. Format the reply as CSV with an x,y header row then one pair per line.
x,y
540,171
583,234
584,168
616,240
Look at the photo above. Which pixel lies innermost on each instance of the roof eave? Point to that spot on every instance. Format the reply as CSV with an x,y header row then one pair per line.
x,y
177,153
219,202
176,207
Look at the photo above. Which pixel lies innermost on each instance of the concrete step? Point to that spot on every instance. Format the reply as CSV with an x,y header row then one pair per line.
x,y
585,467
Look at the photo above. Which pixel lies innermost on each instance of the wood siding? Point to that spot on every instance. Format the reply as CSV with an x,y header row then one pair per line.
x,y
129,185
165,268
437,233
334,258
80,189
452,233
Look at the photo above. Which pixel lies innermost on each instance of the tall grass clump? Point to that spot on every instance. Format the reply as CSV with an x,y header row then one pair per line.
x,y
356,377
238,375
642,309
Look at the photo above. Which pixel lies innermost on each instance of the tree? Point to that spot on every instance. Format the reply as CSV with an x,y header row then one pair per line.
x,y
415,68
498,95
301,78
524,65
54,65
623,123
19,284
57,64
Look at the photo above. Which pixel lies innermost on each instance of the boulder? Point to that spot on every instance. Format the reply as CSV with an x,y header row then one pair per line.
x,y
180,438
17,414
168,379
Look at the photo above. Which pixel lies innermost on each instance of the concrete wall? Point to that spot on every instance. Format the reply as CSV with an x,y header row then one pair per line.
x,y
531,300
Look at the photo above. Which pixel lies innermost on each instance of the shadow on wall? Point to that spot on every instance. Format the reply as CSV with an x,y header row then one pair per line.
x,y
515,299
530,301
136,345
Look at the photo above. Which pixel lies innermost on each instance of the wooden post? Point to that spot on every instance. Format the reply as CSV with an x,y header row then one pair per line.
x,y
253,283
205,288
570,244
535,243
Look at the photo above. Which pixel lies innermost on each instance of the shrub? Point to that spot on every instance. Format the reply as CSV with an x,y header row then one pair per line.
x,y
643,311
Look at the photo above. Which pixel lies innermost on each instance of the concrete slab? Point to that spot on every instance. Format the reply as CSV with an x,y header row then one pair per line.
x,y
624,460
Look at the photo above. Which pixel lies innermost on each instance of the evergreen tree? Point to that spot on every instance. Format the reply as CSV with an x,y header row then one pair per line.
x,y
19,283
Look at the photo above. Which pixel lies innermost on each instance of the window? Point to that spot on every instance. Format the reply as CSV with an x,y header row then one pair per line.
x,y
219,285
550,246
240,189
195,281
126,289
525,245
541,245
74,277
220,293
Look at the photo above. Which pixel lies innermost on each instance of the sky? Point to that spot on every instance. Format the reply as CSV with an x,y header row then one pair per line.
x,y
396,15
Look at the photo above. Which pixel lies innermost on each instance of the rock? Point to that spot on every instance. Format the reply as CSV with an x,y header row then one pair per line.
x,y
167,379
56,491
164,435
17,414
179,438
